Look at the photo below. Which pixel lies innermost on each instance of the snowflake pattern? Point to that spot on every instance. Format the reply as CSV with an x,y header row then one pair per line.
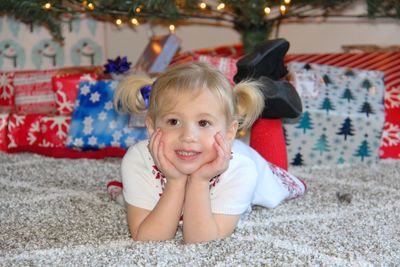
x,y
24,130
3,131
3,121
59,124
33,132
95,123
6,86
392,97
390,135
64,106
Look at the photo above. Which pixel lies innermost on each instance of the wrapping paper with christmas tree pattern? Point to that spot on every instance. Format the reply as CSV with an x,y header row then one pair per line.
x,y
343,115
387,62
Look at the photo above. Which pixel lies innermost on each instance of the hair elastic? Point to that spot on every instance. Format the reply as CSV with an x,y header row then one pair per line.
x,y
146,91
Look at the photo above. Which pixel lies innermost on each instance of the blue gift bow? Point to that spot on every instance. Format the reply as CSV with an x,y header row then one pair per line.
x,y
146,91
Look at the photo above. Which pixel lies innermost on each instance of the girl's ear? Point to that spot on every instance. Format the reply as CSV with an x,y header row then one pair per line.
x,y
149,125
232,130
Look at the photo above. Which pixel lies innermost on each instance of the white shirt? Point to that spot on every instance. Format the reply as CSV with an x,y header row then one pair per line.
x,y
249,180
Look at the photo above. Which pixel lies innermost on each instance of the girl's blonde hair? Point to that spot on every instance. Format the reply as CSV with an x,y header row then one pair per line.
x,y
244,103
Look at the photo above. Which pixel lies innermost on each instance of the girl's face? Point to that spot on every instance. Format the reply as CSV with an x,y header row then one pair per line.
x,y
188,130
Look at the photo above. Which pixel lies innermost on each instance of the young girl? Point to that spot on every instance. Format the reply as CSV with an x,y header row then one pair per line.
x,y
192,168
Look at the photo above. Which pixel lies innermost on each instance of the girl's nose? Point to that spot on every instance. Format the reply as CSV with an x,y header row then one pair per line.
x,y
189,134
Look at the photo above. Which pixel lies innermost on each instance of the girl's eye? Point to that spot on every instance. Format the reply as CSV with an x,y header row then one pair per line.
x,y
204,123
173,122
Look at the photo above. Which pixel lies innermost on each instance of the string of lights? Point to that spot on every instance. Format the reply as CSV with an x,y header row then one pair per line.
x,y
253,19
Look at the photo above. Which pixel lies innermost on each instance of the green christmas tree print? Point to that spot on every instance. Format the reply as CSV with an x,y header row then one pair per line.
x,y
340,160
346,129
327,80
307,67
298,160
349,73
366,84
327,105
347,94
367,109
363,150
305,122
322,144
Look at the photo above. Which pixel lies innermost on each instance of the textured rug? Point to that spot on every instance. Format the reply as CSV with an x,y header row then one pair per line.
x,y
55,212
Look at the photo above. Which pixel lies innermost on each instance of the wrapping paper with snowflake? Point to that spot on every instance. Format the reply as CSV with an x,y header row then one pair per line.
x,y
24,131
3,131
34,92
6,91
95,123
66,88
54,131
343,116
387,62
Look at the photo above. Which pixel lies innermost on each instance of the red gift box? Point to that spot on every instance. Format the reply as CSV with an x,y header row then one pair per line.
x,y
389,64
6,91
54,130
3,131
24,131
66,88
34,93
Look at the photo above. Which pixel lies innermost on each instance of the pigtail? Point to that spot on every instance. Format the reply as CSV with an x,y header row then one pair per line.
x,y
128,97
249,103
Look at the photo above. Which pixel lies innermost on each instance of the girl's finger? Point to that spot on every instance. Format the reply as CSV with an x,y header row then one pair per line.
x,y
161,156
224,149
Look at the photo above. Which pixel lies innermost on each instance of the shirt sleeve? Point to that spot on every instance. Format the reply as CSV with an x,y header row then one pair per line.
x,y
234,192
139,189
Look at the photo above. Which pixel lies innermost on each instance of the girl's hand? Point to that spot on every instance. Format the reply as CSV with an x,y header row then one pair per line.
x,y
156,148
219,164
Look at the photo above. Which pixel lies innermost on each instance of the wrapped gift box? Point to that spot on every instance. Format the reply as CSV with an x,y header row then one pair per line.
x,y
66,88
34,92
95,123
389,64
6,91
225,64
24,131
343,116
3,131
158,54
54,130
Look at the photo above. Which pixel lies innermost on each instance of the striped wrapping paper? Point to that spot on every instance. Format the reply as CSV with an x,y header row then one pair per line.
x,y
389,64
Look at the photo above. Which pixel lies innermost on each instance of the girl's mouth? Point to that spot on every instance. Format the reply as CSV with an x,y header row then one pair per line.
x,y
187,155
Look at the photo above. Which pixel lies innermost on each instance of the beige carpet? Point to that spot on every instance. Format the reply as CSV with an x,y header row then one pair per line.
x,y
55,212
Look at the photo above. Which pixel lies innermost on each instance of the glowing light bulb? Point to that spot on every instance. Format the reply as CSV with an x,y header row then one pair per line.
x,y
283,9
267,10
221,6
138,10
287,2
203,5
134,21
118,22
90,6
172,28
47,6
